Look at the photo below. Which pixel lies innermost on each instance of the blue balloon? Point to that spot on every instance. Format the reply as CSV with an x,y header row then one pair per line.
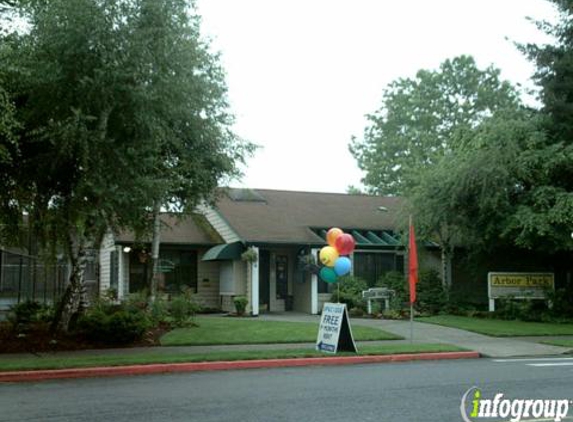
x,y
328,275
342,266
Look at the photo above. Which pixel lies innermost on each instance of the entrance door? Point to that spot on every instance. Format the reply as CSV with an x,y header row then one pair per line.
x,y
264,280
138,271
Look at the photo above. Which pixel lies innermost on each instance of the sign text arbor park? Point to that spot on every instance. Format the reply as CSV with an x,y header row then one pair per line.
x,y
519,286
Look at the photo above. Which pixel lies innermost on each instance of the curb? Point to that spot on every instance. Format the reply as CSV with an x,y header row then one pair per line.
x,y
162,368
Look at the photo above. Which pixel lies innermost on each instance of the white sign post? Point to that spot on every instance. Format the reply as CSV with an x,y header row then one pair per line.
x,y
375,293
334,332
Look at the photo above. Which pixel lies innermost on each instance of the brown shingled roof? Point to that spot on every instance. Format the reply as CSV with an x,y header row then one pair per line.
x,y
276,216
188,230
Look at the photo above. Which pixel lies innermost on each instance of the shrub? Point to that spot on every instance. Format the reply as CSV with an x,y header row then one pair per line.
x,y
182,309
117,324
431,298
356,312
240,304
158,311
395,281
561,303
430,295
350,290
523,309
30,312
137,301
126,327
393,314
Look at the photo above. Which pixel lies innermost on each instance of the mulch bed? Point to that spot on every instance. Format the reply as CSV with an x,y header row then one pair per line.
x,y
37,338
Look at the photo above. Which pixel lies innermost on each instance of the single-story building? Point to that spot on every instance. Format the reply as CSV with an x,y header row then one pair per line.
x,y
255,243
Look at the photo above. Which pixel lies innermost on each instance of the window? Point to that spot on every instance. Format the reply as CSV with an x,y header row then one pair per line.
x,y
324,287
370,266
180,270
113,268
138,270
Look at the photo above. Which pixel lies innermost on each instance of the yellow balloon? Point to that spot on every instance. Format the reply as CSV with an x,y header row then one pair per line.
x,y
332,235
328,256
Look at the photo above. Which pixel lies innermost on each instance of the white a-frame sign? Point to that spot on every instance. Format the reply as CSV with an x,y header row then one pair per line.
x,y
334,332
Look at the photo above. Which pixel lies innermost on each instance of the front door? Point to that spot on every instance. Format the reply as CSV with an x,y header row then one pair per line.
x,y
264,280
138,271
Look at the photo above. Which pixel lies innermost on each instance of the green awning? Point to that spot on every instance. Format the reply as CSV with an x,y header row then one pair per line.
x,y
369,238
227,251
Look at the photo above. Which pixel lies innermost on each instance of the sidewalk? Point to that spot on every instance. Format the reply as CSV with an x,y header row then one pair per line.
x,y
159,368
423,333
497,347
189,349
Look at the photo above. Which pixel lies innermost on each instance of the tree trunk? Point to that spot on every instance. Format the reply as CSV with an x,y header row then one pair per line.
x,y
74,300
447,255
155,251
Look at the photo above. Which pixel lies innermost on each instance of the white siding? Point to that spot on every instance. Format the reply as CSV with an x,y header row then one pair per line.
x,y
227,304
232,278
219,224
123,265
226,278
208,293
240,268
107,246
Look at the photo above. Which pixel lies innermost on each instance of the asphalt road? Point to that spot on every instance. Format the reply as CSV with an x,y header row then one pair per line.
x,y
416,391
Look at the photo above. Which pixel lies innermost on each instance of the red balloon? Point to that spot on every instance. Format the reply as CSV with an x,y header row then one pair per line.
x,y
345,244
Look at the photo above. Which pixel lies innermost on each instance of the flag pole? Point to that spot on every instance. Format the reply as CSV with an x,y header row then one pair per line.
x,y
411,303
411,323
412,273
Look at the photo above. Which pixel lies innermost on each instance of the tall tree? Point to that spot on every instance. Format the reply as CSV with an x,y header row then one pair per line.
x,y
123,110
501,192
510,185
554,70
194,147
420,121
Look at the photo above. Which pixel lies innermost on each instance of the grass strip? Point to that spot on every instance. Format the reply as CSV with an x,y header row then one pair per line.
x,y
227,330
556,342
500,328
143,358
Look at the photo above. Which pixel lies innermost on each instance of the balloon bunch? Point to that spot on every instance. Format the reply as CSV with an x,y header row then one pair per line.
x,y
336,264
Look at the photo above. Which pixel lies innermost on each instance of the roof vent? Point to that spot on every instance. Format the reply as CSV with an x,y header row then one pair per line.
x,y
245,195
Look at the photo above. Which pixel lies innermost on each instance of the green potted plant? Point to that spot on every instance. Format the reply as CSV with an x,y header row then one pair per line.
x,y
240,304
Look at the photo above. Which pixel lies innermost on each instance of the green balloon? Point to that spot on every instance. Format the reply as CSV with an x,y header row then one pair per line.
x,y
328,275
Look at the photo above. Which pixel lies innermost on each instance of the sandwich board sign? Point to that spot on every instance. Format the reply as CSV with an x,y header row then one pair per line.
x,y
334,332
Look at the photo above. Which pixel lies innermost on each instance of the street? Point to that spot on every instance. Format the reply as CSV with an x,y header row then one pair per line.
x,y
416,391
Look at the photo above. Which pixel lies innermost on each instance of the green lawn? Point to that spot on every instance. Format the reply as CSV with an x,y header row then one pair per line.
x,y
500,328
227,330
141,358
563,342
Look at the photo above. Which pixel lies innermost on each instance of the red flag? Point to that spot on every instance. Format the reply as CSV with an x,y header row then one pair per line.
x,y
412,263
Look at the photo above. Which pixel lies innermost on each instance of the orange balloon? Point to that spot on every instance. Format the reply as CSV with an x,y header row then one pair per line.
x,y
332,235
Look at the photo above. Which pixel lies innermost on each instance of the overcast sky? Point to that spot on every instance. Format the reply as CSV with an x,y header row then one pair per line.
x,y
302,74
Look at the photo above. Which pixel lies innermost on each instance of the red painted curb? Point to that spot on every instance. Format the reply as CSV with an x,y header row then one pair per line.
x,y
109,371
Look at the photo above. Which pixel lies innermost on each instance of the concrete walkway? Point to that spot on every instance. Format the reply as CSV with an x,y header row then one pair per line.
x,y
429,333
